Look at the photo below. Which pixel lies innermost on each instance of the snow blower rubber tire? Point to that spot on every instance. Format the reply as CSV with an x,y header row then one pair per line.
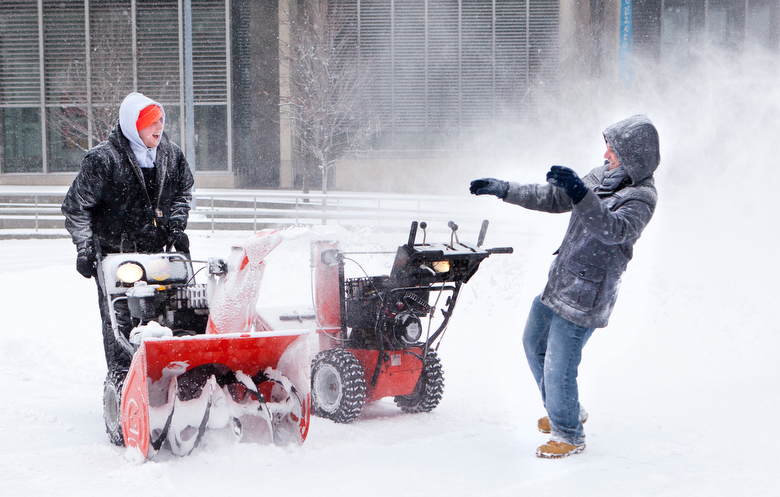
x,y
428,391
112,405
338,386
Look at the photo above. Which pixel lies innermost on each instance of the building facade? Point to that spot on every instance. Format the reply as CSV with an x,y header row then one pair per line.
x,y
443,71
65,65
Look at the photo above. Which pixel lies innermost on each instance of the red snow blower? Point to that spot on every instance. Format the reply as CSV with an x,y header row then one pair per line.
x,y
377,335
202,356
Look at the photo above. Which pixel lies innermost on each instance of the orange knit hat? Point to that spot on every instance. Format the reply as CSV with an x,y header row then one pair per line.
x,y
148,115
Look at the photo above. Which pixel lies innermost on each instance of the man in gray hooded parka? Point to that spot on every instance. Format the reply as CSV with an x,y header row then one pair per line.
x,y
609,208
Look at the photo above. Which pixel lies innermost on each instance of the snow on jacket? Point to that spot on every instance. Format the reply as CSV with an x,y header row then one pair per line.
x,y
108,197
584,278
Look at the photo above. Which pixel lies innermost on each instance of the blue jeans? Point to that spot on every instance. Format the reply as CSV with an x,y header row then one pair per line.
x,y
553,347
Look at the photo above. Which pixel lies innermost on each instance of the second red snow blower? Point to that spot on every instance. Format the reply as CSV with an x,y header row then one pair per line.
x,y
376,332
203,357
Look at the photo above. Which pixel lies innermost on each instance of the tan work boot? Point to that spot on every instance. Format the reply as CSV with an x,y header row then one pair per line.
x,y
557,450
544,424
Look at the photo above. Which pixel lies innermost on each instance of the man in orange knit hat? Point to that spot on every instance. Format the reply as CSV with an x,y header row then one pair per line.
x,y
132,194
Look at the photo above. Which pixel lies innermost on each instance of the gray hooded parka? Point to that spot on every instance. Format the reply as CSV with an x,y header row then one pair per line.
x,y
584,278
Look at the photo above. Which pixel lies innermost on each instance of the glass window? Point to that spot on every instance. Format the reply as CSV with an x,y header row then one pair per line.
x,y
443,69
209,56
19,62
104,55
21,140
211,137
725,23
67,140
20,121
173,124
158,49
676,28
761,25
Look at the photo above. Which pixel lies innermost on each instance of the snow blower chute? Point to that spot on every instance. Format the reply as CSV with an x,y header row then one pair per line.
x,y
202,356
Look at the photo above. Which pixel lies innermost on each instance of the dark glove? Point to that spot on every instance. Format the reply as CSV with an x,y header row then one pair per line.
x,y
565,178
489,186
179,239
86,261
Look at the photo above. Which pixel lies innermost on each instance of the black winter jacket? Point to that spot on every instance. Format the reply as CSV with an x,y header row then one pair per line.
x,y
108,197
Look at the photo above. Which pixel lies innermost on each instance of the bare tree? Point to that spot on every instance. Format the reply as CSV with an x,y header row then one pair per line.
x,y
110,79
328,105
75,123
110,76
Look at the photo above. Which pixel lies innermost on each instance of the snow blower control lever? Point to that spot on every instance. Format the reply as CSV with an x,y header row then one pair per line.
x,y
423,264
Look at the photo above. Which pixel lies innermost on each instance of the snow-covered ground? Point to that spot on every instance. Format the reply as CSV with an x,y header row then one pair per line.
x,y
683,387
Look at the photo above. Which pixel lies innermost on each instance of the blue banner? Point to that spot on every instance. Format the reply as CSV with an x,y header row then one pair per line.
x,y
626,46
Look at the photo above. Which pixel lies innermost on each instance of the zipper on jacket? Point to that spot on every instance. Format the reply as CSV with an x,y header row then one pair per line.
x,y
156,211
163,172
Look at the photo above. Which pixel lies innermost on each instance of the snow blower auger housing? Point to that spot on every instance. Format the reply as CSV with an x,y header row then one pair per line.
x,y
203,356
376,333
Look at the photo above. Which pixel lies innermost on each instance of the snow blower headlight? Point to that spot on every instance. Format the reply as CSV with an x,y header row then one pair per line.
x,y
129,272
441,266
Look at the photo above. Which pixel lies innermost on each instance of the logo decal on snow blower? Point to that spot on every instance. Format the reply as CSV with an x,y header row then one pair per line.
x,y
133,417
159,270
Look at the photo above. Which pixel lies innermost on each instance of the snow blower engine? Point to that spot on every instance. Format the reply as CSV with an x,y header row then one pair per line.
x,y
377,334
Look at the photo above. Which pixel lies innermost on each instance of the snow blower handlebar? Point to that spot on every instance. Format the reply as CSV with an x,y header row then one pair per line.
x,y
501,250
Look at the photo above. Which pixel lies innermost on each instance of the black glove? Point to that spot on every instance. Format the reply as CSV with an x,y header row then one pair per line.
x,y
86,261
490,186
178,238
565,178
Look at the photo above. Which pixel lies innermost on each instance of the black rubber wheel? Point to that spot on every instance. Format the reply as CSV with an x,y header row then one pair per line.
x,y
112,405
338,386
428,391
